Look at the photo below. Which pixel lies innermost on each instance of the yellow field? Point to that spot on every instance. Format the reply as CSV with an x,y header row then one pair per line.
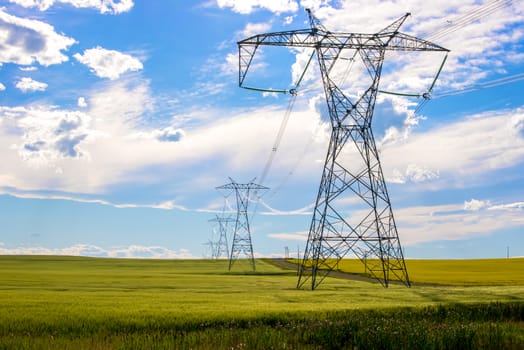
x,y
478,272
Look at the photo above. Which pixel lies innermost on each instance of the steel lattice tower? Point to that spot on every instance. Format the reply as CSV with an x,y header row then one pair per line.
x,y
242,234
352,169
221,246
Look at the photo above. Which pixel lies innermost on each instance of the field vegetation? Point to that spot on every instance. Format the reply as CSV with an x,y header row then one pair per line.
x,y
474,272
94,303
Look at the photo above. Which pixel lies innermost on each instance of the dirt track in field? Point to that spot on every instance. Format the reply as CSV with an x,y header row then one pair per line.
x,y
338,274
290,266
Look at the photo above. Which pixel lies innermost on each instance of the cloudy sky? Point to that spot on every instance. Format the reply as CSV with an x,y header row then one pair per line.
x,y
119,118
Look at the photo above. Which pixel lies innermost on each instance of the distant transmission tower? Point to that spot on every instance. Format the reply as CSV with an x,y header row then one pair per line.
x,y
242,234
352,170
221,246
212,249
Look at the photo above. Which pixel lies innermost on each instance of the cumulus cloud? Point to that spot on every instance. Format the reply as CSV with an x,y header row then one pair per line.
x,y
475,46
248,6
456,221
108,145
47,134
90,250
104,6
170,134
475,204
88,150
26,41
253,29
167,134
81,102
230,65
27,84
108,63
414,173
509,206
459,221
298,68
290,236
28,69
459,153
2,87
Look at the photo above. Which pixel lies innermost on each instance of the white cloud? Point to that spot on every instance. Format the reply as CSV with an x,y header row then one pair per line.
x,y
288,20
299,67
455,221
459,153
104,6
169,134
248,6
109,144
27,84
234,145
475,204
89,250
476,47
167,205
108,63
26,41
414,173
2,87
290,236
510,206
81,102
254,29
54,149
395,135
45,135
28,69
230,66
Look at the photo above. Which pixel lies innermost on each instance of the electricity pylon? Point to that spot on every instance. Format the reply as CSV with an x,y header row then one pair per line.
x,y
352,171
221,246
242,234
211,246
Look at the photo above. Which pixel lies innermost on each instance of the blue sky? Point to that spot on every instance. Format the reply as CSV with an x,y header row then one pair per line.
x,y
119,118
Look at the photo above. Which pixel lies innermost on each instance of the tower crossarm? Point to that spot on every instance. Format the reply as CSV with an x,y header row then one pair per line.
x,y
323,40
220,219
313,38
242,187
404,42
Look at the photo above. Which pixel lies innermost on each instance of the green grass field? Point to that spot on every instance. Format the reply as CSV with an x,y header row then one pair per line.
x,y
92,303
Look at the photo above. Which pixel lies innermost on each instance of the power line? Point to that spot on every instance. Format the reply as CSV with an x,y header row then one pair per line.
x,y
287,114
298,161
468,18
514,78
278,138
485,85
285,119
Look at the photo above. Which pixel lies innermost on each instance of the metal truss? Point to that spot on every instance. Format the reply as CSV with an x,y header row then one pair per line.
x,y
352,171
242,235
221,248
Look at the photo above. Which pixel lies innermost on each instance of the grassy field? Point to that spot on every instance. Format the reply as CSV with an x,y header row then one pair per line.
x,y
91,303
479,272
